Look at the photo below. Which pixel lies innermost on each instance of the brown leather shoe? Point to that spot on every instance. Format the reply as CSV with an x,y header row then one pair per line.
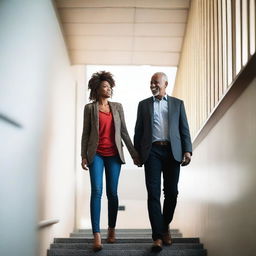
x,y
157,245
111,235
97,246
167,239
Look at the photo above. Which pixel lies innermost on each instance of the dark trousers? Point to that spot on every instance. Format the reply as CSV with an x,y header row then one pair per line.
x,y
160,161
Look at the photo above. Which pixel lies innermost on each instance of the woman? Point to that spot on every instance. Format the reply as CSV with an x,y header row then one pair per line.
x,y
104,127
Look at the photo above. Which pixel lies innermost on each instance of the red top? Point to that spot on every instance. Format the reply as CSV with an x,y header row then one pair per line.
x,y
106,146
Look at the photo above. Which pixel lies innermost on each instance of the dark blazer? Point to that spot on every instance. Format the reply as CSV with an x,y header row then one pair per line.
x,y
90,136
178,128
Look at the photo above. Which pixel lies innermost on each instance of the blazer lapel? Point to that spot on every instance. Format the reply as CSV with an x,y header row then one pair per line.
x,y
150,109
114,112
171,112
96,114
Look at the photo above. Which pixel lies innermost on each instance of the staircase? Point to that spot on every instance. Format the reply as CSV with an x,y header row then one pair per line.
x,y
130,242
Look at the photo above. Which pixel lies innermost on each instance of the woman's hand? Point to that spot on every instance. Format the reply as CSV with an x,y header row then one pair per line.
x,y
84,164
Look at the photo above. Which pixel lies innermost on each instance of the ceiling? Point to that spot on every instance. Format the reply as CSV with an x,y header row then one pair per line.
x,y
123,32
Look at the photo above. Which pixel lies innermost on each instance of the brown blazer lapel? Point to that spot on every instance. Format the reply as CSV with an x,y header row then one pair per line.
x,y
114,113
96,115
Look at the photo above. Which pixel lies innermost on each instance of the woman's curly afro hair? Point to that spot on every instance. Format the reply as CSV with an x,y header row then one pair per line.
x,y
95,82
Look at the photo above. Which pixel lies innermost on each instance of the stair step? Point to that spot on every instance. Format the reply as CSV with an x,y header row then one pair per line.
x,y
118,235
129,242
137,231
125,240
164,252
123,246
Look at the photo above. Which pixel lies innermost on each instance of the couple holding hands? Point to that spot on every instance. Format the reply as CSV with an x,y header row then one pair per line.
x,y
161,143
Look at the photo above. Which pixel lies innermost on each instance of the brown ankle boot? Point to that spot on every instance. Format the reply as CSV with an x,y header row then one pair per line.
x,y
97,246
111,235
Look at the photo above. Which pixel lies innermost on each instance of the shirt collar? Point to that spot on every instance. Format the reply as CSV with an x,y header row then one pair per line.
x,y
165,98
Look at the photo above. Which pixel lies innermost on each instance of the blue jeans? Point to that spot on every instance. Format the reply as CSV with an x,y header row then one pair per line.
x,y
112,166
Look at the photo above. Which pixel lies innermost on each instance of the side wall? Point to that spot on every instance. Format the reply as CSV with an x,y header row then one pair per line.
x,y
57,178
37,148
217,191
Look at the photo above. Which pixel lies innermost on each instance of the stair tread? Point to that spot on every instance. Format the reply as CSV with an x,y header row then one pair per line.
x,y
133,231
122,233
124,230
145,252
125,240
128,246
135,242
120,236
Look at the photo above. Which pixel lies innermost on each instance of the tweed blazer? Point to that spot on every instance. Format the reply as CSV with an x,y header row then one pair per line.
x,y
90,135
178,129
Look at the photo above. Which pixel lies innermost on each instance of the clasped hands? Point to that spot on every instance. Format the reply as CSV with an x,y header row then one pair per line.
x,y
137,161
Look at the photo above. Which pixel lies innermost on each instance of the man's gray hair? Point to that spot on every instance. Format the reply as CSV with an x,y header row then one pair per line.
x,y
165,77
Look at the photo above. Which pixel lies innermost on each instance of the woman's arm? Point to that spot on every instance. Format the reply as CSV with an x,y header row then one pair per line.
x,y
85,135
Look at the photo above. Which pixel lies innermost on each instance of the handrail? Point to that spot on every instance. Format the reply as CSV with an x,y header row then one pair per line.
x,y
240,83
46,223
9,120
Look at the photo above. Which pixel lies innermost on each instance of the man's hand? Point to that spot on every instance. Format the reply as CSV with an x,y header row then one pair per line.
x,y
137,161
186,159
84,164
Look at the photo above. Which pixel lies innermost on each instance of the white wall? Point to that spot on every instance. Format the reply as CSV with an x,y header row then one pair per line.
x,y
37,91
218,190
82,186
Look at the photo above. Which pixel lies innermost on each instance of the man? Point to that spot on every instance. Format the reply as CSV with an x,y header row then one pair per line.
x,y
163,141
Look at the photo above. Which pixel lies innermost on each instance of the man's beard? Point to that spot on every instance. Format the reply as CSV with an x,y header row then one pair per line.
x,y
155,92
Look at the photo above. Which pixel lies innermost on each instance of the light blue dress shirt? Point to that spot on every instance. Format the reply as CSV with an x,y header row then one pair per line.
x,y
160,119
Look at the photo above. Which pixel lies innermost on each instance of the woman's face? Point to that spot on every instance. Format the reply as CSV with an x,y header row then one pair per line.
x,y
105,90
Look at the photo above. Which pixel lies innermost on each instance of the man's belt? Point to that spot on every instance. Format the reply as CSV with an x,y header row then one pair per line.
x,y
161,143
